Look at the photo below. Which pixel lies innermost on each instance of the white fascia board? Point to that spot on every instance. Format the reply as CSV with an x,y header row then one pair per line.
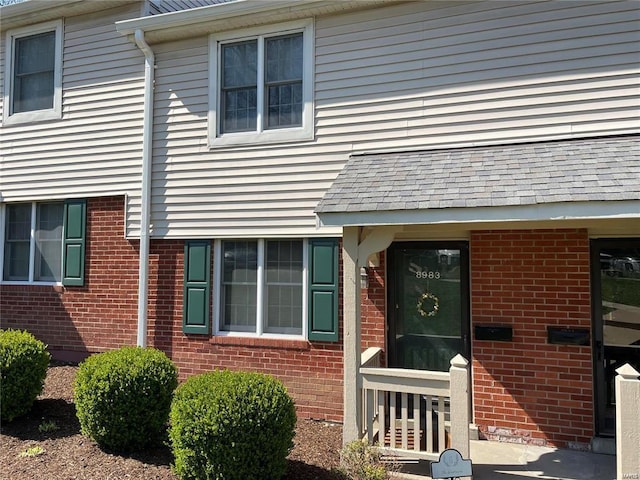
x,y
31,6
204,14
471,215
29,11
37,11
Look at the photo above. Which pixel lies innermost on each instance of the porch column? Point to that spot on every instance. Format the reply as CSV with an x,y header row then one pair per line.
x,y
352,409
627,387
460,404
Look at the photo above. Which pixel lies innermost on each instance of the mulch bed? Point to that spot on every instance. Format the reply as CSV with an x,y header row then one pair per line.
x,y
66,454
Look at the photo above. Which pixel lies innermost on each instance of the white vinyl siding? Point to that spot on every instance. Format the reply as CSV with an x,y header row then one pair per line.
x,y
416,75
95,148
481,72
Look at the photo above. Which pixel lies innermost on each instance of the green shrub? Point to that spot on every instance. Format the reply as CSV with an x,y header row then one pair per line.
x,y
361,461
123,397
23,368
231,426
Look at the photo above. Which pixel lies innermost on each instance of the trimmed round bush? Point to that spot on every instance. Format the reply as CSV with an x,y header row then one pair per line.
x,y
232,426
123,397
23,367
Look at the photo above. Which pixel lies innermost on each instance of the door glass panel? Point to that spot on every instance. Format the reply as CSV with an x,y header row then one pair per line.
x,y
429,308
619,299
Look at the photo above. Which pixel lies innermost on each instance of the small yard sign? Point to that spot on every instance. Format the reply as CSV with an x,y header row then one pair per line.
x,y
451,465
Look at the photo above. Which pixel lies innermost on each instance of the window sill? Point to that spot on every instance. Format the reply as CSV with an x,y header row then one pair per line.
x,y
32,117
56,287
279,343
266,137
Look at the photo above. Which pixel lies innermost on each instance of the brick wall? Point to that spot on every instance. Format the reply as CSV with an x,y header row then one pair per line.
x,y
527,390
373,308
101,315
312,371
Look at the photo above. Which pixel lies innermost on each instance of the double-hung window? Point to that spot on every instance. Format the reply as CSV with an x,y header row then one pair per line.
x,y
33,242
261,285
34,74
261,85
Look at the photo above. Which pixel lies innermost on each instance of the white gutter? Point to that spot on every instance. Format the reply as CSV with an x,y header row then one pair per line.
x,y
145,215
233,15
185,18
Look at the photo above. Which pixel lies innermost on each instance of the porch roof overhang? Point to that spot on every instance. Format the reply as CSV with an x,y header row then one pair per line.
x,y
583,179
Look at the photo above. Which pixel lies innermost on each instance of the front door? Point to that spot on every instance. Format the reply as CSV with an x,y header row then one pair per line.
x,y
616,319
428,304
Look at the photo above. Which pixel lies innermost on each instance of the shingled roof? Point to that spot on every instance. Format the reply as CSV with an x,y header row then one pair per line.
x,y
584,170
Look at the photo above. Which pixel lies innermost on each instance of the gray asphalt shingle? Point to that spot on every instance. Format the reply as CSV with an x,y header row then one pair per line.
x,y
594,169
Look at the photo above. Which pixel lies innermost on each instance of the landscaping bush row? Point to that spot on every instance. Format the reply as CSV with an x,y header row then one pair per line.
x,y
221,425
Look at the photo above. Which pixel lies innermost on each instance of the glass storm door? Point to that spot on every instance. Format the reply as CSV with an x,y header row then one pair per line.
x,y
428,304
616,321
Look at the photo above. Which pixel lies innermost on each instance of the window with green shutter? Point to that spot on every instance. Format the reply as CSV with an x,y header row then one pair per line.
x,y
197,287
323,289
74,233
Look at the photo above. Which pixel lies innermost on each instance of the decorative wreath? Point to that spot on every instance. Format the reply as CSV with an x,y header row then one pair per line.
x,y
434,308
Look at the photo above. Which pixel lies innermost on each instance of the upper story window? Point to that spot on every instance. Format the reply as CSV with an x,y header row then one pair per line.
x,y
33,75
33,242
261,85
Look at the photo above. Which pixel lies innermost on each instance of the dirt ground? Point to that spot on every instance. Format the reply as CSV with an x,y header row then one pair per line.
x,y
46,444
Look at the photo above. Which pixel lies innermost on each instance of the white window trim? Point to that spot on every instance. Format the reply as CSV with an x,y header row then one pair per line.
x,y
260,136
217,290
32,250
35,115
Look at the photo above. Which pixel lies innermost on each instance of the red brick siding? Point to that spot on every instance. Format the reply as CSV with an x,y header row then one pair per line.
x,y
102,315
524,390
527,389
312,371
373,308
99,316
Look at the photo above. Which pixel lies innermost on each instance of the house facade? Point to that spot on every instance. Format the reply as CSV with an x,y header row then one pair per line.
x,y
277,186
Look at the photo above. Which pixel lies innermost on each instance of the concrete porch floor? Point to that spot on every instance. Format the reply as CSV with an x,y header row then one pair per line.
x,y
508,461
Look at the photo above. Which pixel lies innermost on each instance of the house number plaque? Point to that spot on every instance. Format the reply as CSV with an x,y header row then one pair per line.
x,y
451,465
430,274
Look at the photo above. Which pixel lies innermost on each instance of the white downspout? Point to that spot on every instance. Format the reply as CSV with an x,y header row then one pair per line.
x,y
147,159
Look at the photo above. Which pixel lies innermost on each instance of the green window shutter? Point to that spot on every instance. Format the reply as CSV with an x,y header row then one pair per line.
x,y
197,287
74,226
323,289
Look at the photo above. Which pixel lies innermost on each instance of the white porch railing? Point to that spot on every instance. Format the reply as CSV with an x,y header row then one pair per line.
x,y
415,413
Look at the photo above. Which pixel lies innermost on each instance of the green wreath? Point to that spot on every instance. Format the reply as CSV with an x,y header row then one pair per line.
x,y
434,308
